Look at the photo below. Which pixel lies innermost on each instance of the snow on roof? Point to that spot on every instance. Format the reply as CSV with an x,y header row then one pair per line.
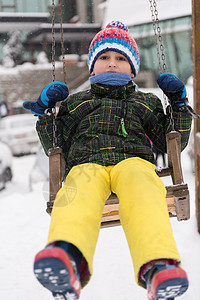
x,y
24,14
132,12
4,71
10,21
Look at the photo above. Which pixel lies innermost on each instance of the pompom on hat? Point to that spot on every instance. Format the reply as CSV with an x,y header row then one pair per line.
x,y
114,37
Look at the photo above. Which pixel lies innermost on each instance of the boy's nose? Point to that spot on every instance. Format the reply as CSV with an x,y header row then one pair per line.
x,y
112,63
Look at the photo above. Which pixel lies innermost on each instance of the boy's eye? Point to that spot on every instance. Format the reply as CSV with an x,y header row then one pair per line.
x,y
103,57
122,58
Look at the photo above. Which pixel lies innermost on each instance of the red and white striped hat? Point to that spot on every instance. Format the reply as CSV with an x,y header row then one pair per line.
x,y
114,37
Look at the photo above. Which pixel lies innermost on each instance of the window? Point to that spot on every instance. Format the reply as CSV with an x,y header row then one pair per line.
x,y
89,11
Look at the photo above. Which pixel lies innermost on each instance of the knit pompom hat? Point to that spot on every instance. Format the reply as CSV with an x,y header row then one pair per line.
x,y
114,37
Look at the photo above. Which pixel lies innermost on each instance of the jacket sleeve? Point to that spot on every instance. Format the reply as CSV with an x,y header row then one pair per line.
x,y
65,128
158,124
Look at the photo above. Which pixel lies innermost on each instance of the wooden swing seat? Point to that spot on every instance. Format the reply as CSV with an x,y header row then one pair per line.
x,y
177,198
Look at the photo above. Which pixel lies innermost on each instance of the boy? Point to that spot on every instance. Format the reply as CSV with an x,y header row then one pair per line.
x,y
103,133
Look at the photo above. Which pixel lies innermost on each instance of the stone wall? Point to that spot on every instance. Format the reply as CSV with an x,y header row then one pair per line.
x,y
25,82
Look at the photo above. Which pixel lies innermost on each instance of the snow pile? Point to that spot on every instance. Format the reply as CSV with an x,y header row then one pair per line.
x,y
42,58
4,71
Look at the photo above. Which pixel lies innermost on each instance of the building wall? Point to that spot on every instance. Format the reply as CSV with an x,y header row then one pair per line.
x,y
25,5
70,8
81,10
82,6
176,37
97,17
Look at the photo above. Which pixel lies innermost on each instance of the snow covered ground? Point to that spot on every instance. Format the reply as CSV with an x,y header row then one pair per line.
x,y
24,229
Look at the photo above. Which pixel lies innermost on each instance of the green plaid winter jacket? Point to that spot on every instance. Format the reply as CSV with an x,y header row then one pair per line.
x,y
90,125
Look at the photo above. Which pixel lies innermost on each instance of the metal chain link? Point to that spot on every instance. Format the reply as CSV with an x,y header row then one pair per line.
x,y
62,40
53,40
158,36
155,33
160,51
53,61
53,73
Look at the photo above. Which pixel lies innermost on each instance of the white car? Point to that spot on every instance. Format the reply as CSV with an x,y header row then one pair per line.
x,y
19,133
5,165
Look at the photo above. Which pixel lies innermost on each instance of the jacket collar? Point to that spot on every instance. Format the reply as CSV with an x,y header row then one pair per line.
x,y
115,92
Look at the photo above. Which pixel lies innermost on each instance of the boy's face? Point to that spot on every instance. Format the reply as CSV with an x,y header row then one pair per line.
x,y
111,61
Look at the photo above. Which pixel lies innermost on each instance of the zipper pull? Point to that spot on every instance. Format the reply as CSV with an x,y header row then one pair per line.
x,y
124,132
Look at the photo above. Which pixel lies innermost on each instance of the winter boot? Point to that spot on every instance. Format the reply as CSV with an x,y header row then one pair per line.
x,y
165,282
56,270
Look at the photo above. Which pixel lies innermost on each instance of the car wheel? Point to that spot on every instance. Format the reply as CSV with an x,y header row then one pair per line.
x,y
7,174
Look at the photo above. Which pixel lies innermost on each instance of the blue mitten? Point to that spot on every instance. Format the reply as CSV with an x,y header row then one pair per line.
x,y
173,88
52,93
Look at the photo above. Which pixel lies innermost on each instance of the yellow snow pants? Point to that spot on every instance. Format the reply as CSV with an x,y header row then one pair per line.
x,y
77,212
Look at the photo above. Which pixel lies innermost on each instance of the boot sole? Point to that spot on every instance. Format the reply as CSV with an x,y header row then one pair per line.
x,y
54,271
168,284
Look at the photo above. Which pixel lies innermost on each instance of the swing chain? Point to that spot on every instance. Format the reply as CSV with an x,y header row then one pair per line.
x,y
53,61
53,72
62,40
158,36
53,41
171,116
160,51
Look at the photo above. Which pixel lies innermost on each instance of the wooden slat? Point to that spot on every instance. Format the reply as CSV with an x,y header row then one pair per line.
x,y
171,204
182,203
177,201
174,157
197,138
165,172
108,212
196,95
110,223
56,171
110,218
197,173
